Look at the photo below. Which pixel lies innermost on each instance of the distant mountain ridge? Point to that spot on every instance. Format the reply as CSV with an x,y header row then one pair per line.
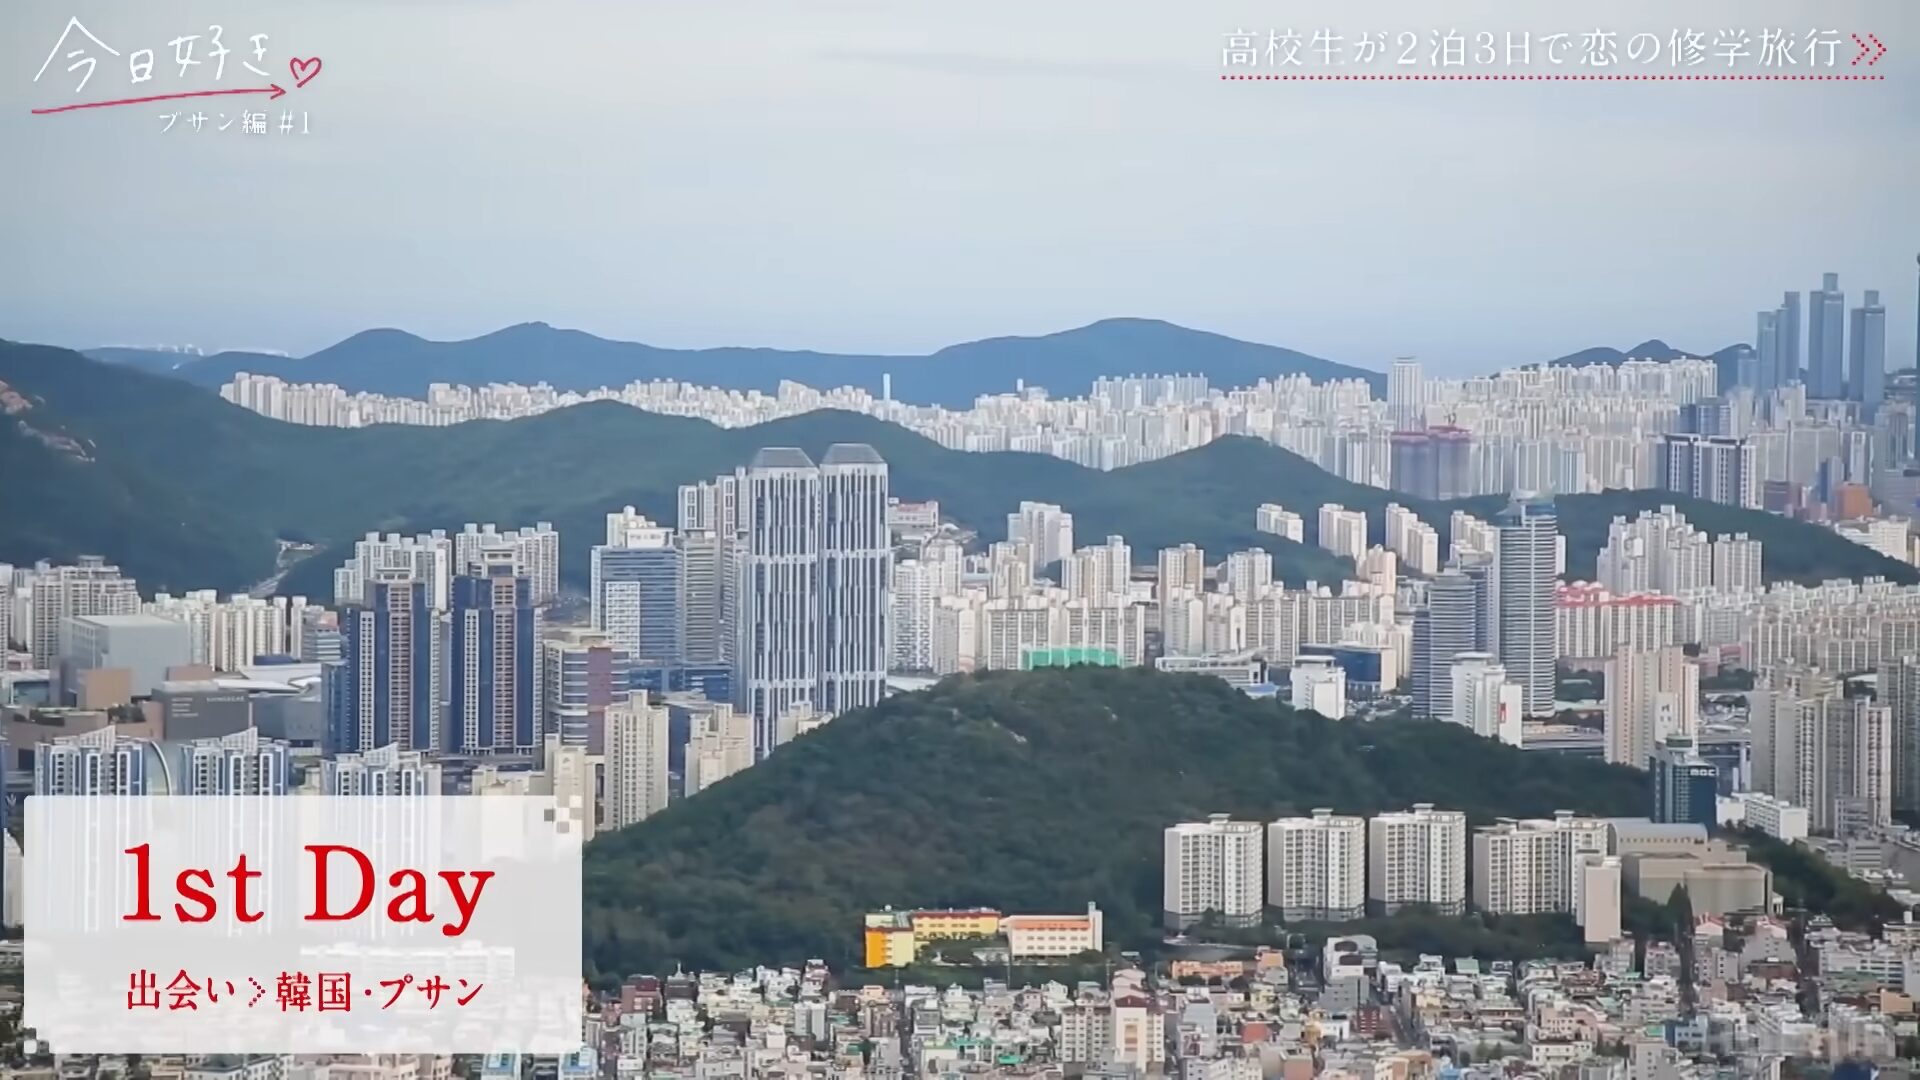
x,y
1726,360
389,361
188,491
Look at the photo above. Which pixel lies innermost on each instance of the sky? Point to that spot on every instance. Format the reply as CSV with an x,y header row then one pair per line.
x,y
898,176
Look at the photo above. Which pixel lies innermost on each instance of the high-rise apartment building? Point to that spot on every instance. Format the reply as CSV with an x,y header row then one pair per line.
x,y
915,593
706,589
1826,326
777,661
1417,857
8,598
719,744
427,557
1485,701
385,771
1406,394
1317,867
91,586
1278,520
1815,747
637,747
496,698
711,506
1767,374
1045,528
1443,628
1099,573
814,593
1867,352
1434,463
856,579
1899,692
1181,569
1787,329
536,554
1414,541
1710,467
1213,866
383,690
1343,531
636,583
100,762
1529,545
242,763
585,674
1249,573
1651,696
1532,867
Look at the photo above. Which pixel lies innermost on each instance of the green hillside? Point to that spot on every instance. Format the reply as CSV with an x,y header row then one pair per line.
x,y
1033,792
187,491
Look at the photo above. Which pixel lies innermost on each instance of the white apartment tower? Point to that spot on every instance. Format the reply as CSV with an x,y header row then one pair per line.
x,y
1213,866
1817,748
1098,573
1249,573
1278,520
915,592
636,783
719,744
1045,528
1317,867
1182,569
1651,695
1485,701
1533,867
856,579
1418,856
1343,531
777,655
536,554
814,590
1406,394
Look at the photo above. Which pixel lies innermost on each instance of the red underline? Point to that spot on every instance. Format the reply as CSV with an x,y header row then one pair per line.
x,y
275,90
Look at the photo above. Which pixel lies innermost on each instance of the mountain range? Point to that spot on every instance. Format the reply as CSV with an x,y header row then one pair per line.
x,y
397,363
187,491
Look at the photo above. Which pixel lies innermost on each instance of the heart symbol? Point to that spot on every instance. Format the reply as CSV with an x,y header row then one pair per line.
x,y
303,70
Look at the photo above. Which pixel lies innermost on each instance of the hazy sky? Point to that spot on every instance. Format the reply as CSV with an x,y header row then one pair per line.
x,y
900,175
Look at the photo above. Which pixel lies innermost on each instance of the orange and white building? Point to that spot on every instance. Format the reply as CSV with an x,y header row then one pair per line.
x,y
896,938
1054,935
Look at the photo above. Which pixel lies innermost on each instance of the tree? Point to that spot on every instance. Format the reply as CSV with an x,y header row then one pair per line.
x,y
1680,911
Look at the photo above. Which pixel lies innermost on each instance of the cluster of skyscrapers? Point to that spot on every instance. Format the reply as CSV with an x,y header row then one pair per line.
x,y
1846,351
774,592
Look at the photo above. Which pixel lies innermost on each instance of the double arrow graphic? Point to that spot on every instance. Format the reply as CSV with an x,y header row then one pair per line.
x,y
1876,48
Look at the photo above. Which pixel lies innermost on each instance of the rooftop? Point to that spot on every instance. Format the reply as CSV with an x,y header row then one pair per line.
x,y
780,457
852,454
128,622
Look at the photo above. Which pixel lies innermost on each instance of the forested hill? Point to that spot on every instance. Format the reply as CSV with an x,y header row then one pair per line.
x,y
1031,792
